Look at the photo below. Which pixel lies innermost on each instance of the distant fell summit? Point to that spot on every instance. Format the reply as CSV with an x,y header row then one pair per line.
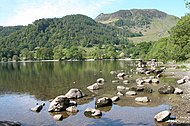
x,y
152,23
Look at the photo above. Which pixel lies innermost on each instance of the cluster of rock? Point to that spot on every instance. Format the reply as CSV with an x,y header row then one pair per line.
x,y
64,102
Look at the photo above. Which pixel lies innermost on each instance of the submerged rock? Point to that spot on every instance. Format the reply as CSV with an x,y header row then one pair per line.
x,y
166,90
74,93
102,102
92,112
9,123
162,116
60,103
142,99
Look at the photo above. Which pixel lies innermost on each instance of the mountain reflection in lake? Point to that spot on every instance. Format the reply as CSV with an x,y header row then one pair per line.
x,y
22,85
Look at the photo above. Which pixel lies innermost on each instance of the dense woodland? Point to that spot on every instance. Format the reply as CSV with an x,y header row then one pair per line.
x,y
80,37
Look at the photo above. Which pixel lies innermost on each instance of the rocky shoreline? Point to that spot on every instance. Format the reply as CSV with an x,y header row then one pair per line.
x,y
181,104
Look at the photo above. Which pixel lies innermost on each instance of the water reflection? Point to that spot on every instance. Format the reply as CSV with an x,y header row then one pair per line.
x,y
22,85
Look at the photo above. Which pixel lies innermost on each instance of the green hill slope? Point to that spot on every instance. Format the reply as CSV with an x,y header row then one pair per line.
x,y
153,24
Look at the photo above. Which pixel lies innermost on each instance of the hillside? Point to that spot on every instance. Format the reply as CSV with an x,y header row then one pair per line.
x,y
70,30
153,24
45,35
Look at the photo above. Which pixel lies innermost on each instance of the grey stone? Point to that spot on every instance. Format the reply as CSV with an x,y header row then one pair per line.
x,y
100,80
155,81
162,116
102,102
115,98
131,93
37,108
121,75
115,81
60,103
92,112
120,88
181,81
72,109
119,94
166,90
93,87
178,91
142,99
126,81
74,93
58,117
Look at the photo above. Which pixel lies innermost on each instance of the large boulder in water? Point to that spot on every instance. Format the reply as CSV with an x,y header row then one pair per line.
x,y
166,90
60,103
92,112
102,102
162,116
74,93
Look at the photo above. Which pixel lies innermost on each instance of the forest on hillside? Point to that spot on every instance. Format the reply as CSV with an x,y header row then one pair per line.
x,y
78,37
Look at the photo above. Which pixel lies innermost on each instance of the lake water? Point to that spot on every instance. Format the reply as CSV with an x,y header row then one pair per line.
x,y
22,85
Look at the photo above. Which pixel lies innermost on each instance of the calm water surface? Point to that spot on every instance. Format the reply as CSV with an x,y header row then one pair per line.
x,y
22,85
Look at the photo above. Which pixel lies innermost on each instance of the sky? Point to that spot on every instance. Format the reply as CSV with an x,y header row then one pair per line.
x,y
24,12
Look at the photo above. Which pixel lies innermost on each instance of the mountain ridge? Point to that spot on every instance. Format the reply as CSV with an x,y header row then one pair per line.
x,y
145,21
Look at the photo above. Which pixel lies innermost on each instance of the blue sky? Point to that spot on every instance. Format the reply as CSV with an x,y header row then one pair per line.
x,y
23,12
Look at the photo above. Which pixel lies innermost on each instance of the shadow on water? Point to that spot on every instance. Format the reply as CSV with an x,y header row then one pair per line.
x,y
107,122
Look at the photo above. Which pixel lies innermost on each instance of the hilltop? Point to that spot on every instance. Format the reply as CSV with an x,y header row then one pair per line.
x,y
152,23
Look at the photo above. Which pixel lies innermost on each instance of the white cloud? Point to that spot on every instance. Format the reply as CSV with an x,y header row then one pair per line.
x,y
27,13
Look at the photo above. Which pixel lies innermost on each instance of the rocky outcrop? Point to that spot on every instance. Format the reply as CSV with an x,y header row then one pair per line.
x,y
102,102
60,103
166,90
74,93
92,112
142,99
162,116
